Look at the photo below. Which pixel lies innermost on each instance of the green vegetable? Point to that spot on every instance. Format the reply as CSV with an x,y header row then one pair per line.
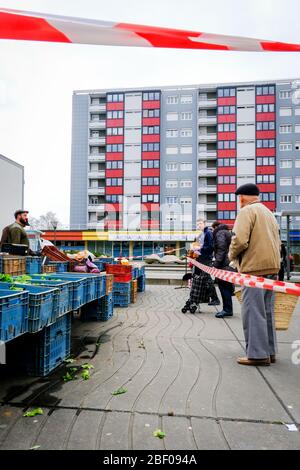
x,y
119,391
85,375
16,288
87,366
159,433
36,411
70,375
23,279
34,447
69,361
6,278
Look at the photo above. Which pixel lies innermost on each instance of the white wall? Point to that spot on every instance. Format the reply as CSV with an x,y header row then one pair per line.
x,y
11,191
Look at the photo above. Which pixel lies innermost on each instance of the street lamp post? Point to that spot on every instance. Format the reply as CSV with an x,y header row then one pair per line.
x,y
54,225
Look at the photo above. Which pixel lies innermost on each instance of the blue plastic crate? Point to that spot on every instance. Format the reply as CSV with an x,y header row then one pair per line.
x,y
98,310
122,287
141,284
65,298
135,273
141,271
121,300
99,263
96,284
14,308
33,265
81,287
43,305
48,349
61,266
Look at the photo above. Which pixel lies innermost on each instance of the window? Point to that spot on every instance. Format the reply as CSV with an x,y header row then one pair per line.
x,y
186,133
265,126
285,146
151,96
171,200
285,94
95,117
150,164
171,184
186,183
226,110
297,163
297,146
116,148
297,111
285,111
186,167
226,215
297,128
286,129
286,164
265,108
265,179
115,165
187,116
115,114
185,200
150,181
171,133
226,179
226,144
186,99
297,198
150,130
95,101
172,116
151,147
114,181
172,99
230,127
186,149
115,97
113,198
265,143
226,197
286,198
114,131
150,198
265,90
226,162
267,197
172,150
226,92
297,180
286,181
171,167
151,113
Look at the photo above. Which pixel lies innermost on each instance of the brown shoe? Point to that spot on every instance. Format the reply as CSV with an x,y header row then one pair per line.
x,y
273,359
244,361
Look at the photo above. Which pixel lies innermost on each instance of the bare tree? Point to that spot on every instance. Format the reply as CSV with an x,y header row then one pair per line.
x,y
48,221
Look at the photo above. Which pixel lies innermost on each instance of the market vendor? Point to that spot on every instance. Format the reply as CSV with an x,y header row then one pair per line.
x,y
15,233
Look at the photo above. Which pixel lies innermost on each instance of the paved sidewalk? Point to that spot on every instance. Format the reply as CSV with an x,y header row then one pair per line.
x,y
181,376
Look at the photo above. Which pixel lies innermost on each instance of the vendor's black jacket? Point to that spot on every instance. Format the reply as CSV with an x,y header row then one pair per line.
x,y
222,239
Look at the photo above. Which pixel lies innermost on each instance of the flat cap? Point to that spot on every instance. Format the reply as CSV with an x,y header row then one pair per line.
x,y
248,190
20,211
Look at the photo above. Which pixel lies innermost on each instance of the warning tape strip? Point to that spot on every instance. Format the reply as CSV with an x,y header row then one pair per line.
x,y
246,280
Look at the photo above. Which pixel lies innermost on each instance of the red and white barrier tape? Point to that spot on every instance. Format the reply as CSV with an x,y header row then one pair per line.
x,y
30,26
247,280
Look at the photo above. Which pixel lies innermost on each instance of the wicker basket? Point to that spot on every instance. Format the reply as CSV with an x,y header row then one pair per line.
x,y
48,268
284,308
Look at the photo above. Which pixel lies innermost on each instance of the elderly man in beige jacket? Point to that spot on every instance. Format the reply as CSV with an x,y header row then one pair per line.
x,y
255,250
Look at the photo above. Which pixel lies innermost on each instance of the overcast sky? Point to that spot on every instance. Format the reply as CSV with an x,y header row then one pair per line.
x,y
37,79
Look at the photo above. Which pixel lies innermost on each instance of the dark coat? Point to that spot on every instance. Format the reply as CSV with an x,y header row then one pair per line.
x,y
222,239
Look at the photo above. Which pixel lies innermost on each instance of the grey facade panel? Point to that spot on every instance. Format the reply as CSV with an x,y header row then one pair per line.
x,y
79,165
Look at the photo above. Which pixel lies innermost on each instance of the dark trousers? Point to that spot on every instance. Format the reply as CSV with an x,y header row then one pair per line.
x,y
226,290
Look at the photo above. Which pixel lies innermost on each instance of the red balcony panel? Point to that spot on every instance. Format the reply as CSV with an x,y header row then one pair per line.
x,y
266,117
231,101
151,104
227,136
114,174
266,170
226,188
226,206
114,106
266,152
114,139
150,121
225,171
270,205
150,190
226,153
226,118
150,172
267,188
150,206
115,123
110,207
150,155
266,134
114,156
114,190
151,138
269,99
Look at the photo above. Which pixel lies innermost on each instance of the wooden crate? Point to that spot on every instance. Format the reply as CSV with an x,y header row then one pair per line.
x,y
13,265
134,290
48,268
109,283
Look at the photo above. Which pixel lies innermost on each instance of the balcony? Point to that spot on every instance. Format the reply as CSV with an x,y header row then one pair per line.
x,y
207,189
208,155
211,207
97,140
208,137
207,172
97,124
98,107
208,120
99,157
96,191
96,207
96,174
207,103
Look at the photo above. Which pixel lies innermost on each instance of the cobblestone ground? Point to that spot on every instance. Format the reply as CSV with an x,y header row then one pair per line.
x,y
181,376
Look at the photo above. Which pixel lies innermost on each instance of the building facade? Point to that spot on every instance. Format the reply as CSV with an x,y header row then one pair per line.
x,y
11,190
155,160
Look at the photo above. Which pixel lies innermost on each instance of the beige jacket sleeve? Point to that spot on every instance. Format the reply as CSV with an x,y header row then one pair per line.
x,y
242,232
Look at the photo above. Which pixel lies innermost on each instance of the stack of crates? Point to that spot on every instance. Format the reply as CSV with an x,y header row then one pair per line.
x,y
14,307
65,287
13,265
60,266
33,265
135,273
134,290
109,283
99,310
141,279
48,268
122,294
46,350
